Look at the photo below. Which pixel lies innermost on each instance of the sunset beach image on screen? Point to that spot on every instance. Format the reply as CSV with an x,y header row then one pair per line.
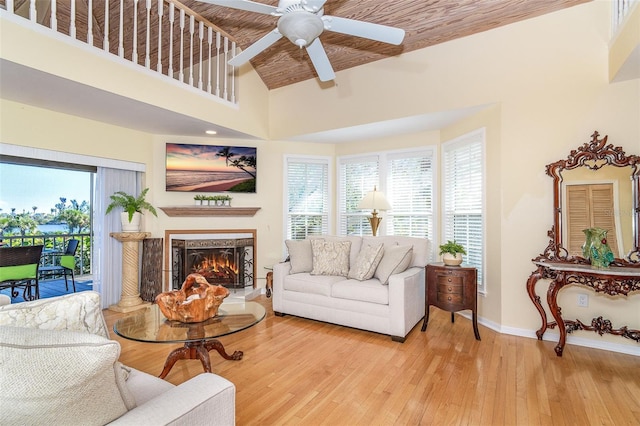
x,y
210,168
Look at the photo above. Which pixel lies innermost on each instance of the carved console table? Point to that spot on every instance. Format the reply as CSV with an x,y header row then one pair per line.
x,y
613,281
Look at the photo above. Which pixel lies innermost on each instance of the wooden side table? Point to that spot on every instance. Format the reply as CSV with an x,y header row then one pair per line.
x,y
453,289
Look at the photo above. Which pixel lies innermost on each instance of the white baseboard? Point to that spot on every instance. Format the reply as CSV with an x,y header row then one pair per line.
x,y
553,336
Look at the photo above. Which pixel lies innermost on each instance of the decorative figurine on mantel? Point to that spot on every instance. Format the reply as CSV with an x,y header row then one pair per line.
x,y
596,248
196,301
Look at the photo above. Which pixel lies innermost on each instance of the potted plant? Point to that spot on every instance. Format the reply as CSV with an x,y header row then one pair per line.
x,y
451,253
132,209
199,199
226,200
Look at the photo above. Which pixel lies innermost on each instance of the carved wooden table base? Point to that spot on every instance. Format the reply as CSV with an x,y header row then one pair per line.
x,y
198,350
613,281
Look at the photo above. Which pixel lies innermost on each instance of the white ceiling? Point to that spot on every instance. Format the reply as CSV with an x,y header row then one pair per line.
x,y
33,87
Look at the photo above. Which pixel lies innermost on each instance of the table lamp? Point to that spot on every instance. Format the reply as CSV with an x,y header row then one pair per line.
x,y
374,200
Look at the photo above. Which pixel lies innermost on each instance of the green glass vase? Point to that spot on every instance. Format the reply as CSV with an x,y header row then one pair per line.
x,y
596,248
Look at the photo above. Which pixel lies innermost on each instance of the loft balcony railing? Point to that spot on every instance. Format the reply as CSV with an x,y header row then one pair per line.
x,y
621,9
163,36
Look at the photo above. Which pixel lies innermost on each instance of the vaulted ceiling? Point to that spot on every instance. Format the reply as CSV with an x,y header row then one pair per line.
x,y
426,22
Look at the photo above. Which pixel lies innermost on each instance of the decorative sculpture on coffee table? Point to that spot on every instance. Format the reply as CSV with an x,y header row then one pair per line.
x,y
196,301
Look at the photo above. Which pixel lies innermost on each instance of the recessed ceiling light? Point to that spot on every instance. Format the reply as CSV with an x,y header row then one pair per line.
x,y
211,132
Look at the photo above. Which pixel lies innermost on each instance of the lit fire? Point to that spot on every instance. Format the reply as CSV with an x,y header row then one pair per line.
x,y
216,267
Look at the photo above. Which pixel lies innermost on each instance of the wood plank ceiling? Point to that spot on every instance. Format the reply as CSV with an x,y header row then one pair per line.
x,y
426,22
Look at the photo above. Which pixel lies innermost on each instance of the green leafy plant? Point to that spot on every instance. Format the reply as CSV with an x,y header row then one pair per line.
x,y
131,204
199,197
452,248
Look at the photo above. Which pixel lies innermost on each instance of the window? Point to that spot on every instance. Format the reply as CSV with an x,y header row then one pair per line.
x,y
307,196
406,178
463,197
410,193
358,176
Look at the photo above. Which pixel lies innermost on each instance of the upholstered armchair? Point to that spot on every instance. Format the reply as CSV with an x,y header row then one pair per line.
x,y
60,367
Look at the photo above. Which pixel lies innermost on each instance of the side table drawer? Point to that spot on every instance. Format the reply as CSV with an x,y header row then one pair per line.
x,y
450,279
451,298
450,288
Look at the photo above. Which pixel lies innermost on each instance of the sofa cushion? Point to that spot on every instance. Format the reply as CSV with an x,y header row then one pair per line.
x,y
60,377
366,263
370,291
312,284
73,312
396,259
330,257
356,243
300,255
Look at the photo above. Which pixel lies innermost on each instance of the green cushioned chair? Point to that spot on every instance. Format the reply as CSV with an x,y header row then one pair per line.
x,y
65,266
19,268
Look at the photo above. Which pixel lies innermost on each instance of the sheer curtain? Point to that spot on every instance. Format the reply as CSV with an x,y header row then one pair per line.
x,y
107,252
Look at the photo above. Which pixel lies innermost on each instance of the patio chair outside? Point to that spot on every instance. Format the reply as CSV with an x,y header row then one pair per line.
x,y
66,264
19,268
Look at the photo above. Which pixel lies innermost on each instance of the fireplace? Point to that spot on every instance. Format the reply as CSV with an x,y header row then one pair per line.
x,y
223,257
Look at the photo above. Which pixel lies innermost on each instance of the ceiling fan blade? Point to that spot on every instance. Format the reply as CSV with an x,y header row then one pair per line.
x,y
314,5
247,5
368,30
256,48
320,61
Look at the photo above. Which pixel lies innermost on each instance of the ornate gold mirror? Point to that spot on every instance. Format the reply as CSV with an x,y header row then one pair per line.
x,y
596,186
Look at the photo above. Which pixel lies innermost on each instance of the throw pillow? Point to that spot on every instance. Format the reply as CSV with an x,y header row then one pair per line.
x,y
396,259
366,262
60,377
80,312
300,255
330,257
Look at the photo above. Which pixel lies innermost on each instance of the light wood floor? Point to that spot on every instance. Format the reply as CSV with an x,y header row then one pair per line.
x,y
302,372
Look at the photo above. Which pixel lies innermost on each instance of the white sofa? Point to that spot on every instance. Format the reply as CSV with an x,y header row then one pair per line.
x,y
59,367
380,288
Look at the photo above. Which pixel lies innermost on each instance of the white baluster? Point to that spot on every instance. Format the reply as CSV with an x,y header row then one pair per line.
x,y
209,44
233,74
105,40
33,12
89,22
72,20
9,4
120,31
54,15
218,46
226,67
200,38
192,21
181,73
147,58
134,47
171,21
160,13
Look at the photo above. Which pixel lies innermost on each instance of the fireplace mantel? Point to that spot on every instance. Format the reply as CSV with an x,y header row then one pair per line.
x,y
209,211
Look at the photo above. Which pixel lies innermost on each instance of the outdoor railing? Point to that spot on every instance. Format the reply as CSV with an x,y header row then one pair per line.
x,y
56,242
161,35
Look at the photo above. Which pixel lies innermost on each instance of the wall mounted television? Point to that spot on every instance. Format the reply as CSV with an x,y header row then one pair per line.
x,y
210,168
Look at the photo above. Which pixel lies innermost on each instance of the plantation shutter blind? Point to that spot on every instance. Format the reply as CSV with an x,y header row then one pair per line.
x,y
590,206
463,183
410,193
357,177
307,197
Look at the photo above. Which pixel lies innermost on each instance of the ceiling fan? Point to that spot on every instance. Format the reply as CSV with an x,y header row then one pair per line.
x,y
302,22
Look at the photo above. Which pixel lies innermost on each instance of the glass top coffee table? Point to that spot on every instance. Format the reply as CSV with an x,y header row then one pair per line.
x,y
151,326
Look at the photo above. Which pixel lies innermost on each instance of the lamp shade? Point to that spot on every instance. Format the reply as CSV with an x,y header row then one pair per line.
x,y
374,200
301,28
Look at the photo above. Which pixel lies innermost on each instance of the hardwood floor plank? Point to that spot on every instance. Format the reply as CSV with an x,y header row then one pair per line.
x,y
301,372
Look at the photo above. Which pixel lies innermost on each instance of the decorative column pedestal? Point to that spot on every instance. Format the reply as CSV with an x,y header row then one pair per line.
x,y
130,299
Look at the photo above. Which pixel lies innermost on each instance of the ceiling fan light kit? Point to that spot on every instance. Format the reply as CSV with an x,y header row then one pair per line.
x,y
302,22
301,28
